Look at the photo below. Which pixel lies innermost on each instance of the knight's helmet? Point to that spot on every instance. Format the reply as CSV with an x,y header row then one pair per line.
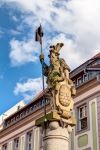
x,y
56,48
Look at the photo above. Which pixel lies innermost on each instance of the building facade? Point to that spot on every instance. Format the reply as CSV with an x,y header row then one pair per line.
x,y
20,133
86,135
12,110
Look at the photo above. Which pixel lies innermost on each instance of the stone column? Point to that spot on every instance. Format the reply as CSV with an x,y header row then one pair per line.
x,y
56,137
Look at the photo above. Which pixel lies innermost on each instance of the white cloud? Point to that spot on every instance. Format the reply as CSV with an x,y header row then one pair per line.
x,y
23,51
69,50
14,18
76,22
14,32
29,88
75,17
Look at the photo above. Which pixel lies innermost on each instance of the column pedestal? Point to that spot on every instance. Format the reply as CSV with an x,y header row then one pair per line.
x,y
56,137
56,131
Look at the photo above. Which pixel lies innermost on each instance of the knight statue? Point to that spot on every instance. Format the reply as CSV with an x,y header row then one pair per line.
x,y
60,86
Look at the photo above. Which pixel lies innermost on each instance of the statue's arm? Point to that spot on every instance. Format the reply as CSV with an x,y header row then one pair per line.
x,y
44,65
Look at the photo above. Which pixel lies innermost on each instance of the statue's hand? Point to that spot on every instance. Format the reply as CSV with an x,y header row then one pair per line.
x,y
41,57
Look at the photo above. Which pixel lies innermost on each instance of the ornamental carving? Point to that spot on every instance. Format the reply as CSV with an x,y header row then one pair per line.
x,y
64,95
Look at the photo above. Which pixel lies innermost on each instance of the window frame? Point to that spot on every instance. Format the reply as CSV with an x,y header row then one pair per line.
x,y
79,81
85,77
6,146
81,119
14,142
27,138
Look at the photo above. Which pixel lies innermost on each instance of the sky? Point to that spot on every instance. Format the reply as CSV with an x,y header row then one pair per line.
x,y
76,23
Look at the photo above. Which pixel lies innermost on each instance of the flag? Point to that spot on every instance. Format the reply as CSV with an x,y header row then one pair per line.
x,y
39,34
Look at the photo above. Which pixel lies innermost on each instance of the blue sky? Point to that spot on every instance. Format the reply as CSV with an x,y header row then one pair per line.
x,y
75,23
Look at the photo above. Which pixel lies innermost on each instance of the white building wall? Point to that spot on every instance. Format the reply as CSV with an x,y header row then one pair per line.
x,y
22,134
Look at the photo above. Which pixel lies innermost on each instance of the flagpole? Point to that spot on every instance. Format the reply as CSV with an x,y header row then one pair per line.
x,y
39,35
43,79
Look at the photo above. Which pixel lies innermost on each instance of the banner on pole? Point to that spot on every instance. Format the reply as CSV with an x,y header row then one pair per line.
x,y
39,34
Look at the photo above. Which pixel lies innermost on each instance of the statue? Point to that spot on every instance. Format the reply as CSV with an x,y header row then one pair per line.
x,y
60,86
57,124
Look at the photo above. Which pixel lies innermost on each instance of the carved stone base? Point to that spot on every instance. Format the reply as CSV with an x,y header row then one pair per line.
x,y
56,131
52,116
56,137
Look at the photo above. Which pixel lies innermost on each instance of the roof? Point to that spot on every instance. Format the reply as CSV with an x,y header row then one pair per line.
x,y
95,66
12,110
83,66
96,56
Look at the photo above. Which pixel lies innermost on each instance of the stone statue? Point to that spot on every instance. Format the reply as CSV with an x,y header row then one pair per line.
x,y
60,86
57,124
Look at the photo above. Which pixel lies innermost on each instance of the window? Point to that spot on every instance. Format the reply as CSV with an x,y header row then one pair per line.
x,y
92,74
85,77
4,147
82,117
16,144
29,140
79,81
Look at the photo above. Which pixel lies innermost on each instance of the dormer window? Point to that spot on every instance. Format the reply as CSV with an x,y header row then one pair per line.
x,y
85,77
79,81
